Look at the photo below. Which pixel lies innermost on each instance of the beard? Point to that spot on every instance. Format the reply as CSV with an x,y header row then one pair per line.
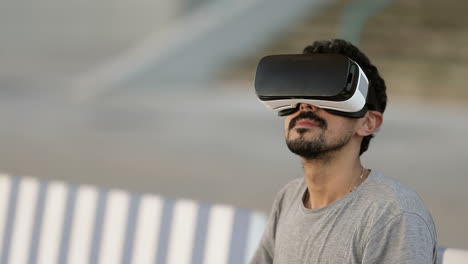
x,y
316,148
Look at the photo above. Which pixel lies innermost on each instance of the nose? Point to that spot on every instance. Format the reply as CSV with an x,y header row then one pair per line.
x,y
308,107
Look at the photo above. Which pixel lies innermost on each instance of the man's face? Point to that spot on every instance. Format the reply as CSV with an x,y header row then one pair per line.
x,y
313,133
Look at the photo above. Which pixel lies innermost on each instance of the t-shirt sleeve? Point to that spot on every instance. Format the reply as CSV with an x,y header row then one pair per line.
x,y
265,251
406,238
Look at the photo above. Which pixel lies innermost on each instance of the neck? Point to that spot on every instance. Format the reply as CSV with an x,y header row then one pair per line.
x,y
330,179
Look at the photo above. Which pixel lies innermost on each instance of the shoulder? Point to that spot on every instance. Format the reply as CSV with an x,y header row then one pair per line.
x,y
289,193
388,200
389,193
292,186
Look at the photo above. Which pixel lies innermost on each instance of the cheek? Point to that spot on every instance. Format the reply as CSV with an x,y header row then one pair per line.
x,y
286,126
346,127
287,122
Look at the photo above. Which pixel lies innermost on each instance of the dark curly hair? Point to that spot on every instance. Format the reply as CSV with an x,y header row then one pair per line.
x,y
376,83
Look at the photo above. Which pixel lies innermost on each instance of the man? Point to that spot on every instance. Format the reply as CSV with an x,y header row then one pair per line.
x,y
342,212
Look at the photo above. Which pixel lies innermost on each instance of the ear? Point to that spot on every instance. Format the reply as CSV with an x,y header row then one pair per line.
x,y
372,121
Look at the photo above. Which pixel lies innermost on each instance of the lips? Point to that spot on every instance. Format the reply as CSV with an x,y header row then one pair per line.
x,y
306,123
307,119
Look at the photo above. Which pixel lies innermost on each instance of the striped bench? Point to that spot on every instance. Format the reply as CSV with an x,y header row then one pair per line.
x,y
54,222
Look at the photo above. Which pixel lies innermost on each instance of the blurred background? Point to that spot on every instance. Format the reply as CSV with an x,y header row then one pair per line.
x,y
157,96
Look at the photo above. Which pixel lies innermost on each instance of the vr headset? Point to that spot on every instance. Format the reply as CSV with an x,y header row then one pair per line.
x,y
329,81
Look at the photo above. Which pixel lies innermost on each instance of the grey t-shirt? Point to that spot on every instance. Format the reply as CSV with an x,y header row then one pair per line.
x,y
382,221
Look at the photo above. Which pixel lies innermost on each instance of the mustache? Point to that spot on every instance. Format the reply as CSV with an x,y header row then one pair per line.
x,y
308,115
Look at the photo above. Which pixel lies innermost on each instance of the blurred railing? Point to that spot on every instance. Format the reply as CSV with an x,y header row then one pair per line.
x,y
196,46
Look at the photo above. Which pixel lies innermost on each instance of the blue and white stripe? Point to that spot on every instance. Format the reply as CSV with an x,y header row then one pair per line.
x,y
53,222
